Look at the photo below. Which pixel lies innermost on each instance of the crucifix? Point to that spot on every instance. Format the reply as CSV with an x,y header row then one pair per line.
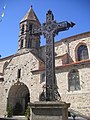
x,y
50,29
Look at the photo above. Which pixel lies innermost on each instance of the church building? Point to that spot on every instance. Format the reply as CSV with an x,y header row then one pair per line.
x,y
22,75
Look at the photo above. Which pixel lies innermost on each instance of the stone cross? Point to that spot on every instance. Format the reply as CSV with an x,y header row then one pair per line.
x,y
50,29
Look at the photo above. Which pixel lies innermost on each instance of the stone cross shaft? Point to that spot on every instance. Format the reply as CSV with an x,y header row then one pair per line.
x,y
50,29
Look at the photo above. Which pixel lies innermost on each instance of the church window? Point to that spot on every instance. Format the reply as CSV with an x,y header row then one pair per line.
x,y
73,80
82,52
19,73
30,28
29,43
22,29
21,44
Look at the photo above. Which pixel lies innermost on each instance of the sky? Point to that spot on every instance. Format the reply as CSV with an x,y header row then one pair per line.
x,y
77,11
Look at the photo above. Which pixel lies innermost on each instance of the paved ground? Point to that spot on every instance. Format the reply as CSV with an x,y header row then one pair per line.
x,y
23,118
77,118
15,118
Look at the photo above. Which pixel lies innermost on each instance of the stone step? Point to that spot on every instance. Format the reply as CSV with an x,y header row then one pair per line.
x,y
19,117
77,118
15,118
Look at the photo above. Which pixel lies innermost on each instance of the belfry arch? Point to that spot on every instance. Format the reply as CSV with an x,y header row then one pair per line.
x,y
18,98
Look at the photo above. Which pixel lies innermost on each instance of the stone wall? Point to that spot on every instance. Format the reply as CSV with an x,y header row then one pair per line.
x,y
73,44
68,46
80,99
28,62
25,62
2,100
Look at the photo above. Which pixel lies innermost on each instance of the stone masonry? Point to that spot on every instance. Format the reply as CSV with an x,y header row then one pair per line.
x,y
29,63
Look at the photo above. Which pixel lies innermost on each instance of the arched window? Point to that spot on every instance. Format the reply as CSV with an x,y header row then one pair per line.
x,y
21,44
30,28
22,32
82,52
73,80
19,73
29,44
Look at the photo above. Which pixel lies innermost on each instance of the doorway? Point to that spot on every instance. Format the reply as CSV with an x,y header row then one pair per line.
x,y
18,98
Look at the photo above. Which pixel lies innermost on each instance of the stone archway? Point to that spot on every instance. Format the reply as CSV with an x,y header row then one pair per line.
x,y
18,98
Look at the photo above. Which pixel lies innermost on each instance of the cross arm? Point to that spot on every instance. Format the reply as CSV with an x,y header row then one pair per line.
x,y
62,26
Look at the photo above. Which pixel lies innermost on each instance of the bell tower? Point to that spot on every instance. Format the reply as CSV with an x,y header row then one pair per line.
x,y
27,41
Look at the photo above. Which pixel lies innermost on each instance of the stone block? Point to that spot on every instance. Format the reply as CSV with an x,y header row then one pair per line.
x,y
49,110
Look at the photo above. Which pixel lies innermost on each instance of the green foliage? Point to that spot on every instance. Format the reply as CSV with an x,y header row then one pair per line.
x,y
9,111
27,112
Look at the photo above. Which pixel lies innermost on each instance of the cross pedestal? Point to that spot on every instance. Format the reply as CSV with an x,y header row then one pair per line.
x,y
49,110
50,107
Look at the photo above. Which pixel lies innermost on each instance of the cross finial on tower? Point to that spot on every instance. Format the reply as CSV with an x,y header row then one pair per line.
x,y
49,12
